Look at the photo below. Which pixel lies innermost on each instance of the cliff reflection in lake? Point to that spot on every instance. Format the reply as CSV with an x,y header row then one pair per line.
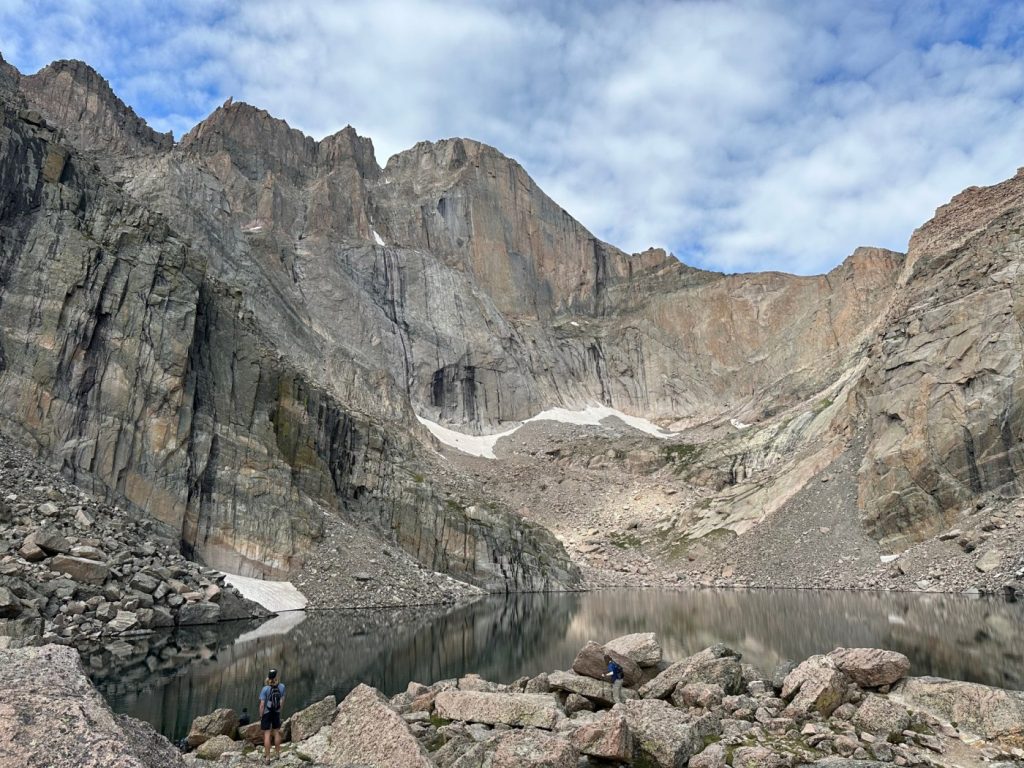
x,y
504,638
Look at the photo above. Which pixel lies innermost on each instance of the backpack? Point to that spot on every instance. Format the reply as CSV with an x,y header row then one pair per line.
x,y
274,699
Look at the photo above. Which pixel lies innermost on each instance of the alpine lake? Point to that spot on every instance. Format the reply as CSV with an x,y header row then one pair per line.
x,y
168,679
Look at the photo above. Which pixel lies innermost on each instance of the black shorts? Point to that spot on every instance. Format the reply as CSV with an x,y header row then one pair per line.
x,y
270,720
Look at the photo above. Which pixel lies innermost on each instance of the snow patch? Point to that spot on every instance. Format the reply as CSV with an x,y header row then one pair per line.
x,y
253,228
574,324
275,596
378,239
738,424
483,445
887,558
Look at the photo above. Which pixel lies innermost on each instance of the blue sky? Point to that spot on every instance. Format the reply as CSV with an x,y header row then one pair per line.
x,y
739,135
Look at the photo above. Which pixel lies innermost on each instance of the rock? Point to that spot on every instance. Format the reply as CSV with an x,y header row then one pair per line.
x,y
662,734
590,661
368,733
706,695
308,721
758,757
641,647
198,613
529,748
586,686
881,716
143,582
989,561
992,713
252,733
871,667
10,605
50,695
89,553
575,703
220,722
713,756
31,552
122,622
515,709
607,738
719,665
50,541
80,569
213,748
816,685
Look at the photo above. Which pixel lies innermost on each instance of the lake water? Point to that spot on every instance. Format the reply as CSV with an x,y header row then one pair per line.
x,y
169,679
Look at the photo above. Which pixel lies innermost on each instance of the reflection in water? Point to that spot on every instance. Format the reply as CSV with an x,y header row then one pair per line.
x,y
504,638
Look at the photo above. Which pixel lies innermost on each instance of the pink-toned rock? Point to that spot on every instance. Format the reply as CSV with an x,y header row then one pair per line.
x,y
368,733
516,709
871,667
531,748
641,647
220,722
607,738
814,686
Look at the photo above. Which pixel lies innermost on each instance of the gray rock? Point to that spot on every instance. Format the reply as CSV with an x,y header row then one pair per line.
x,y
718,665
10,605
607,737
662,734
221,722
122,622
50,541
992,713
514,709
641,647
310,720
595,690
143,582
80,569
198,613
816,685
870,667
881,716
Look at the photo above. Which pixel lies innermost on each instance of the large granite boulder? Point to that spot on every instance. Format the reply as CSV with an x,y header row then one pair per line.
x,y
198,613
993,713
50,541
717,665
758,757
516,709
881,716
816,685
368,733
220,722
663,735
871,667
641,647
213,748
527,748
51,715
306,722
607,738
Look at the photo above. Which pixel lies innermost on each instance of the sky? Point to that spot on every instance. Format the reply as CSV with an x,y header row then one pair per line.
x,y
741,136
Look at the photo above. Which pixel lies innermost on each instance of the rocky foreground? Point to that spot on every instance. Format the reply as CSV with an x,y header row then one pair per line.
x,y
851,708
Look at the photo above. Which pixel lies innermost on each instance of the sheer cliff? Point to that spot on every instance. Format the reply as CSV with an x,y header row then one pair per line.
x,y
237,331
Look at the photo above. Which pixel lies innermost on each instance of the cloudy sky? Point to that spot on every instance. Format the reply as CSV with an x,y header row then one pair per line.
x,y
739,135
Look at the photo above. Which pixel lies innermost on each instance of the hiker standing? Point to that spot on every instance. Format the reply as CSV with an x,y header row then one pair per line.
x,y
271,704
615,673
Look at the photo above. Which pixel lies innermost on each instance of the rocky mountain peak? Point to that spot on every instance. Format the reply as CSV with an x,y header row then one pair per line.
x,y
75,96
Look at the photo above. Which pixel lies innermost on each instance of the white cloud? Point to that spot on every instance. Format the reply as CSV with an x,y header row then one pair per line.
x,y
743,135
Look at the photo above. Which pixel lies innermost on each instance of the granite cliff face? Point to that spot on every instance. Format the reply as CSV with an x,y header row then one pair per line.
x,y
237,331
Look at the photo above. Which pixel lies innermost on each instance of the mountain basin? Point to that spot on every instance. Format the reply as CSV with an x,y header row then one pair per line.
x,y
169,679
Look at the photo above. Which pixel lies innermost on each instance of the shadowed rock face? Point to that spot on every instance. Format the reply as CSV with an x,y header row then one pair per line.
x,y
236,332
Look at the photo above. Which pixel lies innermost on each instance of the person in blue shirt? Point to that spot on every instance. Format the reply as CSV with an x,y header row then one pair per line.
x,y
271,704
615,673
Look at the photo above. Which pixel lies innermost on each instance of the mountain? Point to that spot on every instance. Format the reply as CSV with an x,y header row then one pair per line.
x,y
240,333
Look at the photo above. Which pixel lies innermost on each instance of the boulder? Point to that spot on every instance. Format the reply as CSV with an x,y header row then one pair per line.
x,y
308,721
252,733
871,667
992,713
220,722
663,735
122,622
881,716
641,647
607,738
31,552
814,686
10,605
368,733
213,748
575,703
704,695
81,569
718,664
758,757
593,689
51,715
989,561
89,553
143,582
530,748
516,709
589,662
50,541
198,613
713,756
